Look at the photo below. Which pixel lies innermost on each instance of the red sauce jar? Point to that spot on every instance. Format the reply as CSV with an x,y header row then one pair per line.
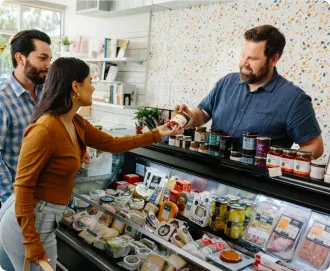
x,y
302,163
274,156
287,160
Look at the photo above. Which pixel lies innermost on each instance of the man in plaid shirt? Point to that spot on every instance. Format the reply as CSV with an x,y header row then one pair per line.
x,y
31,56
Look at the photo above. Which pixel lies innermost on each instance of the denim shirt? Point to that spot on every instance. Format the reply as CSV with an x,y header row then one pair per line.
x,y
279,110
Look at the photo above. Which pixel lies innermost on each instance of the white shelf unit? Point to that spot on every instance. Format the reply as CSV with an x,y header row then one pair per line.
x,y
116,106
114,60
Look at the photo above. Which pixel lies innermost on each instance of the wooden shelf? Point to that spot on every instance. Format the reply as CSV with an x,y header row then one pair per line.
x,y
116,106
114,60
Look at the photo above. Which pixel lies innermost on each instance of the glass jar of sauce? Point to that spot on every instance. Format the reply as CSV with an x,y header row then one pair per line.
x,y
236,156
178,142
260,161
180,119
274,156
213,150
262,147
186,142
287,160
200,134
204,148
318,169
302,163
172,141
225,146
249,143
214,137
194,146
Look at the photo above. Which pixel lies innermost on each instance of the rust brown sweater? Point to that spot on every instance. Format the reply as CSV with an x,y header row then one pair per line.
x,y
48,164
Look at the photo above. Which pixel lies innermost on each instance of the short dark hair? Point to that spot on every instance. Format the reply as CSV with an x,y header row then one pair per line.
x,y
23,43
275,40
56,98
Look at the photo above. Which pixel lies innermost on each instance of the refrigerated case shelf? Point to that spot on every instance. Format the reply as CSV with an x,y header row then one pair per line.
x,y
291,188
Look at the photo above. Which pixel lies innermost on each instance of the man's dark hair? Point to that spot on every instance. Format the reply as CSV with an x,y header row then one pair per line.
x,y
23,42
275,40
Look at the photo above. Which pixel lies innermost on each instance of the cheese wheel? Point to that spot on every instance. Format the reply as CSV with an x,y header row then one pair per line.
x,y
167,211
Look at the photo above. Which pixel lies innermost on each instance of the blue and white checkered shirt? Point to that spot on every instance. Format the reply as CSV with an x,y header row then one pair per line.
x,y
16,112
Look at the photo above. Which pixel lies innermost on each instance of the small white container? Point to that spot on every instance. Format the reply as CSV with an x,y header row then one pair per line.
x,y
318,169
80,203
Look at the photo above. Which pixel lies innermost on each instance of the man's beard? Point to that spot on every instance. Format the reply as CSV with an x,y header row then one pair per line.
x,y
253,78
33,73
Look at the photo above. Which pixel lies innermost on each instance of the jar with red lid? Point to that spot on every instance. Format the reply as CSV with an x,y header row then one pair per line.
x,y
302,163
287,160
274,156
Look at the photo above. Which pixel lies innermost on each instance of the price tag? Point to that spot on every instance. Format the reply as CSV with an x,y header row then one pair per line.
x,y
275,172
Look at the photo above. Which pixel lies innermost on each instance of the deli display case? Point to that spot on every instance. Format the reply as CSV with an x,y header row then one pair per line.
x,y
175,209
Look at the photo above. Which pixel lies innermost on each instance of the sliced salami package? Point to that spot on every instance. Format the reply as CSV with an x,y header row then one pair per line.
x,y
313,251
286,234
263,220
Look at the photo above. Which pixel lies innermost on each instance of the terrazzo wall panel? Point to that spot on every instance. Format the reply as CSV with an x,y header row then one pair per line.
x,y
191,49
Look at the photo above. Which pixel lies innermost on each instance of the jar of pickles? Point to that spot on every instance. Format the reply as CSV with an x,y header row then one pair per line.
x,y
217,224
233,198
236,213
234,230
248,208
200,134
219,207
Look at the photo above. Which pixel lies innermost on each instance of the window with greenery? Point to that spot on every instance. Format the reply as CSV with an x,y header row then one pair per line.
x,y
16,17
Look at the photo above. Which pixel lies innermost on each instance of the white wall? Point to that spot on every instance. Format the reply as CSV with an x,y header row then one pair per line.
x,y
136,29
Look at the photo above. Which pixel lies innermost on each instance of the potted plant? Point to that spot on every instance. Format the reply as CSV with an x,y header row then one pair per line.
x,y
150,117
66,44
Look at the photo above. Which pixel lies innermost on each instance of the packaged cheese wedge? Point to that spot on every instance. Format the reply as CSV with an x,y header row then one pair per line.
x,y
153,263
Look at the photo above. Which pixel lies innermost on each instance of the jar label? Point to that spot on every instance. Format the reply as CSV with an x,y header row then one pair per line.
x,y
302,167
199,137
238,159
287,164
262,148
317,172
320,234
172,142
273,160
249,144
179,119
214,140
247,160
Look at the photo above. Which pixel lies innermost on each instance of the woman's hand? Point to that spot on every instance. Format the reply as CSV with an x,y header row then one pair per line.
x,y
164,131
45,258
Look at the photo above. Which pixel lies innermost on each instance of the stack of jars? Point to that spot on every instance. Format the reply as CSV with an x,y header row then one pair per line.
x,y
235,218
218,214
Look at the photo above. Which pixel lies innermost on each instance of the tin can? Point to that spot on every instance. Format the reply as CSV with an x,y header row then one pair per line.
x,y
263,145
234,230
217,224
236,213
219,207
225,146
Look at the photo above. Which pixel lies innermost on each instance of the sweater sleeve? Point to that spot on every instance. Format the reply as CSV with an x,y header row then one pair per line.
x,y
35,153
102,141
